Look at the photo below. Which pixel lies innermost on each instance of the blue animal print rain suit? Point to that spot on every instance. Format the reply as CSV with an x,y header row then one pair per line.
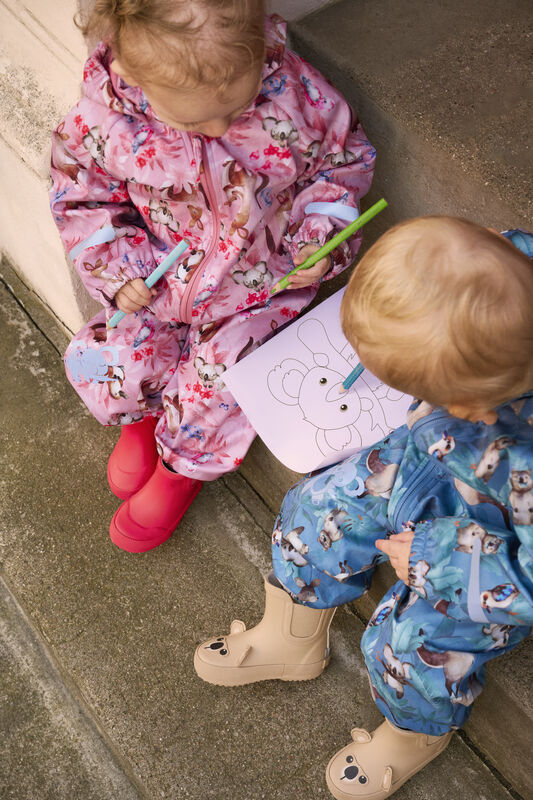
x,y
466,490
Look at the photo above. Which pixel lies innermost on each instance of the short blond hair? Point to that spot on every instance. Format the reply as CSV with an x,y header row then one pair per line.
x,y
180,43
442,309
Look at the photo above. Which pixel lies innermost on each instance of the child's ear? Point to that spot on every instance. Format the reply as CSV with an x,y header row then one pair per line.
x,y
473,414
489,418
118,69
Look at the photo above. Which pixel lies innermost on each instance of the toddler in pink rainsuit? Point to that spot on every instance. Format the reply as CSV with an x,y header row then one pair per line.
x,y
226,144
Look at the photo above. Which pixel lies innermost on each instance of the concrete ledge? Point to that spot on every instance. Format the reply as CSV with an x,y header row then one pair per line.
x,y
41,64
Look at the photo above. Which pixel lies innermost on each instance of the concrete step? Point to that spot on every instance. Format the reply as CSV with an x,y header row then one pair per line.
x,y
120,629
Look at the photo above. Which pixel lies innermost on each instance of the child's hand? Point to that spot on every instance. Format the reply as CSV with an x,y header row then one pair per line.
x,y
305,277
133,296
398,549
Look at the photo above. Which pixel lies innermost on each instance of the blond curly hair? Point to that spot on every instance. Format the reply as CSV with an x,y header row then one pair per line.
x,y
179,43
442,309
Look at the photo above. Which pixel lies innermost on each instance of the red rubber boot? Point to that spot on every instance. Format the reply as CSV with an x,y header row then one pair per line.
x,y
133,458
150,517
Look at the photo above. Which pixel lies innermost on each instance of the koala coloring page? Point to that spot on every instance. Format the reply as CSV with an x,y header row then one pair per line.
x,y
290,390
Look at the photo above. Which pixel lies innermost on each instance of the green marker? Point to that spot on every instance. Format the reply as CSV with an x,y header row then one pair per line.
x,y
340,237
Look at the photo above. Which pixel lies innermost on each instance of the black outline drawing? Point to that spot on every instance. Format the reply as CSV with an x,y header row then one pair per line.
x,y
293,382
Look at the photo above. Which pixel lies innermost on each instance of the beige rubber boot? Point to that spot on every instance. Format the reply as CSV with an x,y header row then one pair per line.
x,y
291,643
376,764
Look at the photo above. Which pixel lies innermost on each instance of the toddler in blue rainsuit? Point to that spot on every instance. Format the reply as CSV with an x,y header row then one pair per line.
x,y
439,308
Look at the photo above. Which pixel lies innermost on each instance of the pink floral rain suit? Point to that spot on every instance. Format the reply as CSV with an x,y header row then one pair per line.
x,y
127,188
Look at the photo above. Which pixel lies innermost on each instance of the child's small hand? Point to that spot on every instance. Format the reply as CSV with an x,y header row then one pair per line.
x,y
398,549
133,296
305,277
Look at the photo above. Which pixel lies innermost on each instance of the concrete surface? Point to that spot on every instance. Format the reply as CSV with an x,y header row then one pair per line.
x,y
295,9
121,629
444,92
51,747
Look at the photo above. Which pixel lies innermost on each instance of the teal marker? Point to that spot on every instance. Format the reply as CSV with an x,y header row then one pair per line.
x,y
154,276
351,379
340,237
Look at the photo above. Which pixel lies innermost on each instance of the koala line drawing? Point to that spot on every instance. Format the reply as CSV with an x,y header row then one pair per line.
x,y
315,390
521,496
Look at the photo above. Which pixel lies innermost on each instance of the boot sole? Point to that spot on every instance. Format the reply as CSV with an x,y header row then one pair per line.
x,y
240,676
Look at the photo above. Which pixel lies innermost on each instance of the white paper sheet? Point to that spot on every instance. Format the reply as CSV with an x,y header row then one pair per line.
x,y
289,390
